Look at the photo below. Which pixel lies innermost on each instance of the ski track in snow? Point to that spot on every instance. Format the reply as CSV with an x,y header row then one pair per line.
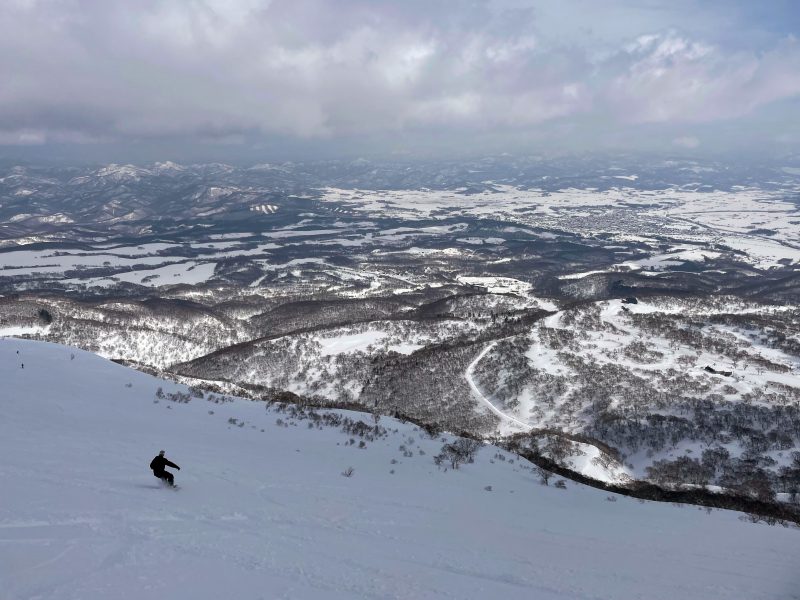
x,y
264,512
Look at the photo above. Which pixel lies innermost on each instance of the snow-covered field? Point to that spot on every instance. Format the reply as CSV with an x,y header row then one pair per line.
x,y
361,342
264,511
509,285
665,229
158,265
759,224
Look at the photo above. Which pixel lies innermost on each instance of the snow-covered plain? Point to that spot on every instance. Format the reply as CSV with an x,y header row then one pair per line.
x,y
759,224
665,229
264,512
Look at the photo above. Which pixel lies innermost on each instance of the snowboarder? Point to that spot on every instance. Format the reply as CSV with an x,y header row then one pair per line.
x,y
158,464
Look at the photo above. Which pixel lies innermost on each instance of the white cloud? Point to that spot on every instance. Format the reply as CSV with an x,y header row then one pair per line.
x,y
672,79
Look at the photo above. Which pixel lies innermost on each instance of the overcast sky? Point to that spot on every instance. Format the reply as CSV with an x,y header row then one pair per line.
x,y
164,78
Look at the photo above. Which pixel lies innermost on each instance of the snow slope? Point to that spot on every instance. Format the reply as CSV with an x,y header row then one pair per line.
x,y
264,512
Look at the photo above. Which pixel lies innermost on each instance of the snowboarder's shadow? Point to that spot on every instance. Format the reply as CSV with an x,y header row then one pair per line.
x,y
149,486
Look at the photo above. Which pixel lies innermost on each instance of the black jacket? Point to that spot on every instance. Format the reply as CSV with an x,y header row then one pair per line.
x,y
159,462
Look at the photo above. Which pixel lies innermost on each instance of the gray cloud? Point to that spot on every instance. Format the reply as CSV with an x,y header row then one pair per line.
x,y
234,71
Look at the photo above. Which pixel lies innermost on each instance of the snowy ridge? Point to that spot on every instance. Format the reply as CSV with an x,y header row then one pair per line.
x,y
264,511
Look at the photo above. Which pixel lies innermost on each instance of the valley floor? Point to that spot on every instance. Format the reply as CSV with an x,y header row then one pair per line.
x,y
264,511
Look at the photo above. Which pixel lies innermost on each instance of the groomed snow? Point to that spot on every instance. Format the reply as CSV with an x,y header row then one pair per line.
x,y
355,342
264,512
17,330
497,285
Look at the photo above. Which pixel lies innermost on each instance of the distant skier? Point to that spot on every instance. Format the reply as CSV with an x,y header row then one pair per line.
x,y
159,463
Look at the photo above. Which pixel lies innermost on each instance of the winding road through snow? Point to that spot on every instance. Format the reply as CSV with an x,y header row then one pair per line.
x,y
516,423
584,459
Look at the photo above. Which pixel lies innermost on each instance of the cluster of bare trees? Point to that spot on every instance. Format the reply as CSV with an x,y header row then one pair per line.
x,y
748,474
319,419
458,452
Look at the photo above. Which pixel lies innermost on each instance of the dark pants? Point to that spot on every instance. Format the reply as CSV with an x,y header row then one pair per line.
x,y
166,476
